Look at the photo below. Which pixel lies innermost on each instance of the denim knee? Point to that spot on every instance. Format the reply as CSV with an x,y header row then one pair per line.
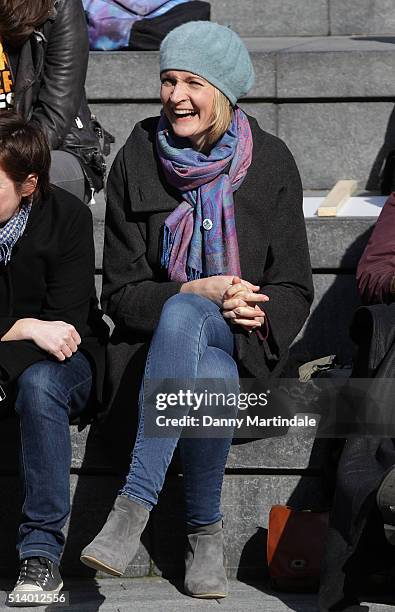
x,y
186,306
37,385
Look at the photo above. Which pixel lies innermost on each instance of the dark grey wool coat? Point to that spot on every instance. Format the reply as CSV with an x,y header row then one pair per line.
x,y
272,244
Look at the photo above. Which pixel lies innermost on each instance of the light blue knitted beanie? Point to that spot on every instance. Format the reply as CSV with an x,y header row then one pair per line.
x,y
211,51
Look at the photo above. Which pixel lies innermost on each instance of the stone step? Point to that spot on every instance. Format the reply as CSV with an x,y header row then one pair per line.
x,y
326,97
335,243
375,17
246,502
107,449
150,594
305,17
286,67
330,140
154,593
273,17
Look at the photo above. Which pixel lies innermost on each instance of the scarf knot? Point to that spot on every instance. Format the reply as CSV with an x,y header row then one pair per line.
x,y
200,237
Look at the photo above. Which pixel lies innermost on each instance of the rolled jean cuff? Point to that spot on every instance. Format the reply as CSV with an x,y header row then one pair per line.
x,y
39,552
220,517
138,500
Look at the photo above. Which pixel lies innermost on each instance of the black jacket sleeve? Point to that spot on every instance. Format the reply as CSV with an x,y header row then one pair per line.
x,y
131,296
69,295
287,278
66,62
6,323
71,286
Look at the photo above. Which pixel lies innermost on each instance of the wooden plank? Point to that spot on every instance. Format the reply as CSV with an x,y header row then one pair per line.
x,y
335,199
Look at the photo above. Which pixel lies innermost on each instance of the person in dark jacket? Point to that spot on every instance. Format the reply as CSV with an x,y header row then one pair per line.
x,y
51,339
361,537
44,53
206,268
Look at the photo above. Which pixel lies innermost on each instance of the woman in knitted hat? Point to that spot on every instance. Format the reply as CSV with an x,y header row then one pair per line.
x,y
206,271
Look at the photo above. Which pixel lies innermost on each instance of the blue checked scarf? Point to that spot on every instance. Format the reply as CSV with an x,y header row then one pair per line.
x,y
12,231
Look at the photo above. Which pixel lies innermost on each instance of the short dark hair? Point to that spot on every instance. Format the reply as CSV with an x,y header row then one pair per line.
x,y
24,150
19,18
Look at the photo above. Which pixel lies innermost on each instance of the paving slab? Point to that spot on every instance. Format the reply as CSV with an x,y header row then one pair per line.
x,y
157,594
338,243
337,140
134,75
273,17
285,67
362,17
337,67
326,331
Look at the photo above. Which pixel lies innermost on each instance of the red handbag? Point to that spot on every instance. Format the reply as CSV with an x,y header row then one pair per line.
x,y
295,548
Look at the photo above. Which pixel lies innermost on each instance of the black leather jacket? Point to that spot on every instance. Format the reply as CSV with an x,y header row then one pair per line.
x,y
50,78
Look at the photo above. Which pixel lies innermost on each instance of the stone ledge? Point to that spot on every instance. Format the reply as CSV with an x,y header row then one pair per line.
x,y
286,67
94,451
334,243
246,502
305,17
375,17
273,17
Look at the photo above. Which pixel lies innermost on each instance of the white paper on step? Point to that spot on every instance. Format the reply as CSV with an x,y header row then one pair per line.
x,y
360,206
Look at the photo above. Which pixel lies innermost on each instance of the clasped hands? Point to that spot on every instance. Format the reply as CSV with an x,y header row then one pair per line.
x,y
240,304
239,299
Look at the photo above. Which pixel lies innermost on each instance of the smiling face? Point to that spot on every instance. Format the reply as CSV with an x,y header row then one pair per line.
x,y
188,105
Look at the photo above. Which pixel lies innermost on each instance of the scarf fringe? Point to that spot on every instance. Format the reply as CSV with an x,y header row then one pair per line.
x,y
167,245
5,253
168,240
193,274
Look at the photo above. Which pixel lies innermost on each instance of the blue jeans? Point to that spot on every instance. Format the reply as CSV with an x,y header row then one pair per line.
x,y
48,393
192,341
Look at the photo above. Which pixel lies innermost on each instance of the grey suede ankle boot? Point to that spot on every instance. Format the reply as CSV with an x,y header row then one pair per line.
x,y
204,562
117,543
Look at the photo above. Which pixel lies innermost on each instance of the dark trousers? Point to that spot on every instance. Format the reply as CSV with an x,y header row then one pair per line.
x,y
48,394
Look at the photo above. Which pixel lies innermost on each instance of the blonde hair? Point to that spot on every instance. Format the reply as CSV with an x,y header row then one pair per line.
x,y
222,117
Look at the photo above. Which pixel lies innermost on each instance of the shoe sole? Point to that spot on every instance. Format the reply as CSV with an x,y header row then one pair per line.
x,y
386,503
208,595
212,595
99,565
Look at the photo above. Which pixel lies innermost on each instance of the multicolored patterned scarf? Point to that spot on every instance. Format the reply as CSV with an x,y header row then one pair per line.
x,y
200,234
12,231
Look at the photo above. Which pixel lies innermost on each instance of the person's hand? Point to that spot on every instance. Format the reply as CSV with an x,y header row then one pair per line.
x,y
241,305
58,338
215,287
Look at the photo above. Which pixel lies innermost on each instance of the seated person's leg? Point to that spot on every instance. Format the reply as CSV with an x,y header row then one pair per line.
x,y
203,467
66,172
47,393
188,326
